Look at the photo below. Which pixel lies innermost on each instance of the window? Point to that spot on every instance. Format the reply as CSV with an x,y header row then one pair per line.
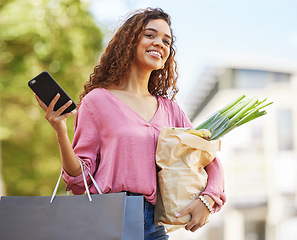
x,y
281,77
251,78
285,129
246,78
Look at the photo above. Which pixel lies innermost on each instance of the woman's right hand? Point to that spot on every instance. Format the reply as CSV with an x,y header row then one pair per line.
x,y
57,121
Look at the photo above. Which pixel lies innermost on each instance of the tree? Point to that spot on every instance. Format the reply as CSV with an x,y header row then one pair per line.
x,y
59,36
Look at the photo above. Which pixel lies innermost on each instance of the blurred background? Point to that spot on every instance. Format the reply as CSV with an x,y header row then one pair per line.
x,y
224,49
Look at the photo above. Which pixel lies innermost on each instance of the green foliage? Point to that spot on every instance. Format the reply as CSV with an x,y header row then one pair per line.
x,y
59,36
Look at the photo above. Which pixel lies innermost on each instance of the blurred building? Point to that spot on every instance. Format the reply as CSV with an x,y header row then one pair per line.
x,y
259,158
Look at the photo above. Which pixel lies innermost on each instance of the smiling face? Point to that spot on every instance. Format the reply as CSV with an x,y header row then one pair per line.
x,y
154,45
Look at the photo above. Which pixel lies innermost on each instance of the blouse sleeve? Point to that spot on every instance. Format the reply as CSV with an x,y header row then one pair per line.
x,y
215,185
86,147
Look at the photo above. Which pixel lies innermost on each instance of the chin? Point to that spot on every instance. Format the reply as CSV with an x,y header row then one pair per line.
x,y
156,68
152,67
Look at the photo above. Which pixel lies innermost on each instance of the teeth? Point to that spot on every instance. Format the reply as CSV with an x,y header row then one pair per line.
x,y
156,53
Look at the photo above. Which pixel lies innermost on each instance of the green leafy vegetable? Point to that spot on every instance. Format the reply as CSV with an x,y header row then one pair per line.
x,y
238,112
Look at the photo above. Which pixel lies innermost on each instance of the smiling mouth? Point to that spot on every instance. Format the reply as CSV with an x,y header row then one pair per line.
x,y
155,54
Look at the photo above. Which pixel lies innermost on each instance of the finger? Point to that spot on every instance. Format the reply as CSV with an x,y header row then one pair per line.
x,y
183,212
193,225
195,228
67,115
190,225
63,108
37,98
53,103
40,102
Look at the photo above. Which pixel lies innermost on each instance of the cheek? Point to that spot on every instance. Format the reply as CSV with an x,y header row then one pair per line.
x,y
139,52
143,43
141,47
167,53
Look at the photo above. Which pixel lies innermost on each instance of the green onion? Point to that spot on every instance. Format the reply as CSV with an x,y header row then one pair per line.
x,y
234,114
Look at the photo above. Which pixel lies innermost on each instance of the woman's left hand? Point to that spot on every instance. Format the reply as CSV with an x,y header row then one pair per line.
x,y
198,212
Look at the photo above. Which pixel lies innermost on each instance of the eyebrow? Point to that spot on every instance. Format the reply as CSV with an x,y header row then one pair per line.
x,y
154,30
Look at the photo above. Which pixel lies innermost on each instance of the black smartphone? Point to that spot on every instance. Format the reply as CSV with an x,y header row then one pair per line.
x,y
46,88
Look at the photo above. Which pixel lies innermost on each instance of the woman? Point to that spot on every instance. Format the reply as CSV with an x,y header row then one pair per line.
x,y
124,105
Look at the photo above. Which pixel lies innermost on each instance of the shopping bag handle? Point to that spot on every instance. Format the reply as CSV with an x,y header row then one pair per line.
x,y
85,183
94,182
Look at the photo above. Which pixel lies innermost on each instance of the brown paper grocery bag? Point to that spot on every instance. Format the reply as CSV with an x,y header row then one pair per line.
x,y
181,158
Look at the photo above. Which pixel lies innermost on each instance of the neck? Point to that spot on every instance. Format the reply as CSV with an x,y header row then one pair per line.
x,y
138,82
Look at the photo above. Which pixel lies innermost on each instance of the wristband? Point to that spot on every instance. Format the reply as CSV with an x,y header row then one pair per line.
x,y
206,204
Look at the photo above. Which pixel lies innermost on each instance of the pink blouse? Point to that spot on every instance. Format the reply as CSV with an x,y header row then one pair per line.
x,y
118,146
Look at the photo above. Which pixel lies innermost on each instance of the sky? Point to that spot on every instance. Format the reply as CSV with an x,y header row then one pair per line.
x,y
213,32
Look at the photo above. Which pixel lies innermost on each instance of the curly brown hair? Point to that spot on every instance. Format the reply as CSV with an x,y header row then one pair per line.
x,y
115,63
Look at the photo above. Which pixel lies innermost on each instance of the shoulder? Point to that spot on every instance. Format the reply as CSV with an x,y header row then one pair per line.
x,y
94,105
175,112
95,96
169,104
90,101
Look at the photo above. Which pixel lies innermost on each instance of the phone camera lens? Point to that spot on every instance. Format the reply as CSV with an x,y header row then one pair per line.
x,y
33,82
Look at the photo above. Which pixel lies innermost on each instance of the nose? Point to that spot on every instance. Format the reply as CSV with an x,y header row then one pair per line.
x,y
158,43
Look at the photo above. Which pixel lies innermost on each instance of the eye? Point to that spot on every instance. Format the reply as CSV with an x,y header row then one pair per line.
x,y
149,35
166,42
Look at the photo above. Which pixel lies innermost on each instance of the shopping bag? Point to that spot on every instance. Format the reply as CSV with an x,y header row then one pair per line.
x,y
181,158
107,216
